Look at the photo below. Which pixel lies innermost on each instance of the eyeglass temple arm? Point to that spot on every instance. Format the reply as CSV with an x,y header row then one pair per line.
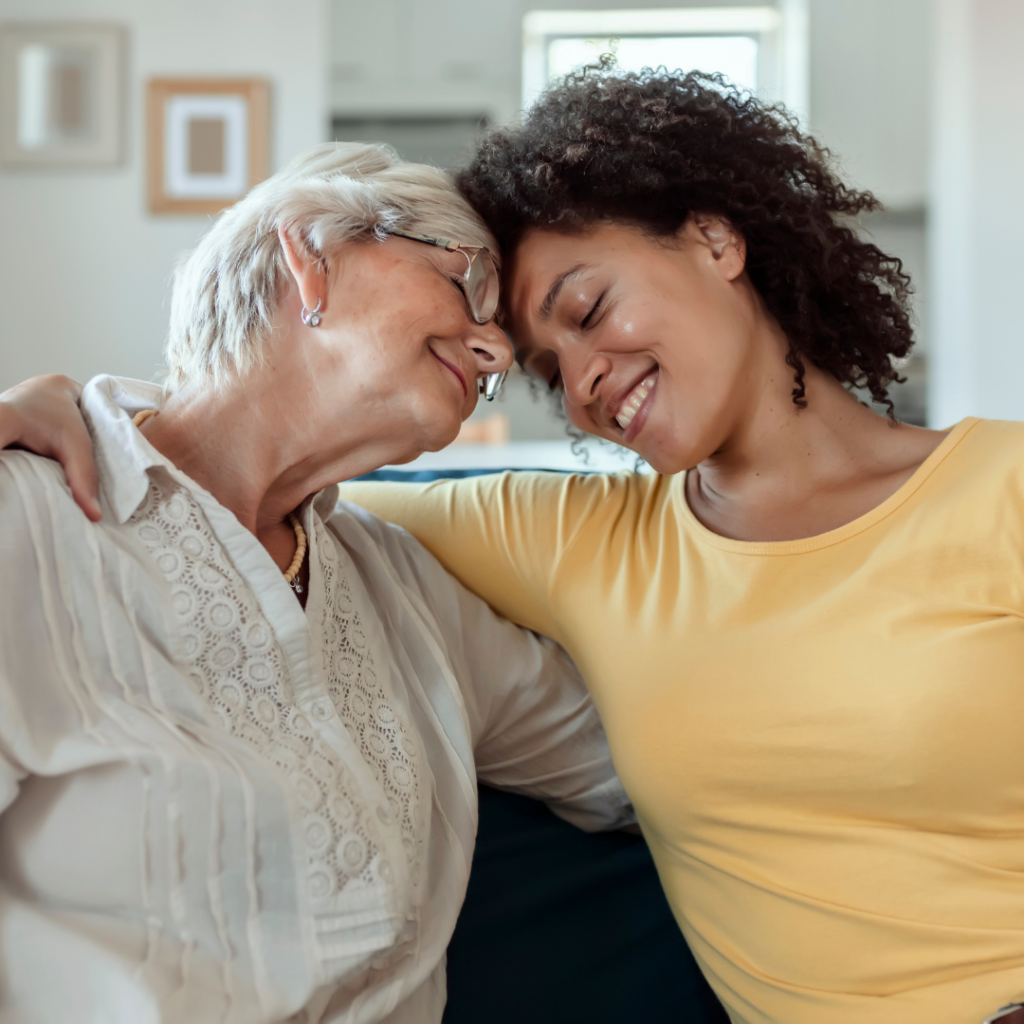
x,y
491,385
444,243
1012,1014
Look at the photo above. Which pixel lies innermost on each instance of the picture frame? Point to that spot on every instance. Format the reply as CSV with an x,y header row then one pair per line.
x,y
62,94
208,142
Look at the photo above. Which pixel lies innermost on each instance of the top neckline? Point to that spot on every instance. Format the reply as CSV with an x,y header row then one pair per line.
x,y
841,533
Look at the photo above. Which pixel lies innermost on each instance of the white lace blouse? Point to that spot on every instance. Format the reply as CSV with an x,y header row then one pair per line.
x,y
219,807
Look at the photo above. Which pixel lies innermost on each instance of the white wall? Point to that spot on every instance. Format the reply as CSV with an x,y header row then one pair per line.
x,y
84,269
869,92
977,216
870,98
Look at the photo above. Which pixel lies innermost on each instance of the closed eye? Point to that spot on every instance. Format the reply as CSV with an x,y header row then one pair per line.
x,y
460,285
585,322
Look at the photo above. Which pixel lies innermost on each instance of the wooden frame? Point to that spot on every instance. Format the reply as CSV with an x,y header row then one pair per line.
x,y
242,109
62,94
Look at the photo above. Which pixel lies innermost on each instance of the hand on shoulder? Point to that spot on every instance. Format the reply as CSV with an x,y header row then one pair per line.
x,y
41,415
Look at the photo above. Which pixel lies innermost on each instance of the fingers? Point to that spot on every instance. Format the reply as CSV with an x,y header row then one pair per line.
x,y
9,428
42,415
75,454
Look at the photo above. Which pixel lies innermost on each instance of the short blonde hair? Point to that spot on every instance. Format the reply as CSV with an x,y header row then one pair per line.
x,y
227,290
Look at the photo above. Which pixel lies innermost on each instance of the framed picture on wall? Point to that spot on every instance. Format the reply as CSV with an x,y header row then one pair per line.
x,y
62,88
208,142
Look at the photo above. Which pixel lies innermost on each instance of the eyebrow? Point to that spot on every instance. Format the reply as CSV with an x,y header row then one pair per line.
x,y
548,305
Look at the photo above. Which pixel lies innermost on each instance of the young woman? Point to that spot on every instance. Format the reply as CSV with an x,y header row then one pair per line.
x,y
805,631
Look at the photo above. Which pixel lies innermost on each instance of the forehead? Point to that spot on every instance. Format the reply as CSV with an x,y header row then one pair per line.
x,y
540,256
544,254
540,259
544,267
393,262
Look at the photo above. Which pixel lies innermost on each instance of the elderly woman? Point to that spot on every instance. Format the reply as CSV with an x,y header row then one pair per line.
x,y
239,727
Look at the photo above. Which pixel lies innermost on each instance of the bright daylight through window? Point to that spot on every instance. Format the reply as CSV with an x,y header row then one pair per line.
x,y
762,49
734,56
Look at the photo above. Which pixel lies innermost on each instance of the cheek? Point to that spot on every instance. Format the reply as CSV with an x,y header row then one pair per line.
x,y
701,396
698,406
708,352
432,404
385,358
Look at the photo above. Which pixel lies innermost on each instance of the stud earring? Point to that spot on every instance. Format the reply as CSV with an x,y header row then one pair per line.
x,y
312,319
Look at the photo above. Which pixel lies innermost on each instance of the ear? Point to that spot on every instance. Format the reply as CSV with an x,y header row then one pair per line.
x,y
310,276
726,244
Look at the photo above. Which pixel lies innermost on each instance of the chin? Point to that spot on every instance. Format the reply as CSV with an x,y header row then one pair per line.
x,y
672,461
663,464
680,445
441,439
404,459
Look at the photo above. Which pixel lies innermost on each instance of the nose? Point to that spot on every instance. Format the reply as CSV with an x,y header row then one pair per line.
x,y
490,347
581,377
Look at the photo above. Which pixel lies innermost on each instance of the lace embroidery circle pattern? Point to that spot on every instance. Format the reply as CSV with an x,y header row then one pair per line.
x,y
237,667
364,706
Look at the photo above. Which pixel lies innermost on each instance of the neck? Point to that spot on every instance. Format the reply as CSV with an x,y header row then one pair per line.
x,y
776,444
262,446
785,471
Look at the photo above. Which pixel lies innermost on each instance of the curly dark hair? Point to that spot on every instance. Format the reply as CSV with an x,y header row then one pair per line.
x,y
649,148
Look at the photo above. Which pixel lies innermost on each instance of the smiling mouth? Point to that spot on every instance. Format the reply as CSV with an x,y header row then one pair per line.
x,y
633,402
458,373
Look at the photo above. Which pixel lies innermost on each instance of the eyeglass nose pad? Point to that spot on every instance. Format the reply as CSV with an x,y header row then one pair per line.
x,y
491,385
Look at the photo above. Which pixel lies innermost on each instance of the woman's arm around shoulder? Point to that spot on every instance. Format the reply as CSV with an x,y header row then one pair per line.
x,y
503,535
42,415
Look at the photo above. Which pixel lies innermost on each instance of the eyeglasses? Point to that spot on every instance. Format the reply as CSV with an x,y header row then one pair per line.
x,y
1012,1014
481,288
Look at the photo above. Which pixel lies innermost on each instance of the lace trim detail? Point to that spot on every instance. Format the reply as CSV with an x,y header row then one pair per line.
x,y
364,706
238,669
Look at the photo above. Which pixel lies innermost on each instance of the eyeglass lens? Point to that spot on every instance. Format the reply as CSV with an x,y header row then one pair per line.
x,y
482,288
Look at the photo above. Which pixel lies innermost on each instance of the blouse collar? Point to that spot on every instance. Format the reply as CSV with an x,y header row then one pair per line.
x,y
123,455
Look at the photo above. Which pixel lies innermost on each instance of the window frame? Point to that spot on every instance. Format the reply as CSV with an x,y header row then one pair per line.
x,y
782,34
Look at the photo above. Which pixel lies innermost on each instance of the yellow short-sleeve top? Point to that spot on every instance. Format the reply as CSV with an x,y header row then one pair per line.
x,y
824,738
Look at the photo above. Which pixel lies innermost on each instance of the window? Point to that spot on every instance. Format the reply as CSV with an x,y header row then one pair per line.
x,y
763,49
734,56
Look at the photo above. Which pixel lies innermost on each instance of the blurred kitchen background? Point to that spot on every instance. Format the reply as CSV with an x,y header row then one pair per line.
x,y
922,101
